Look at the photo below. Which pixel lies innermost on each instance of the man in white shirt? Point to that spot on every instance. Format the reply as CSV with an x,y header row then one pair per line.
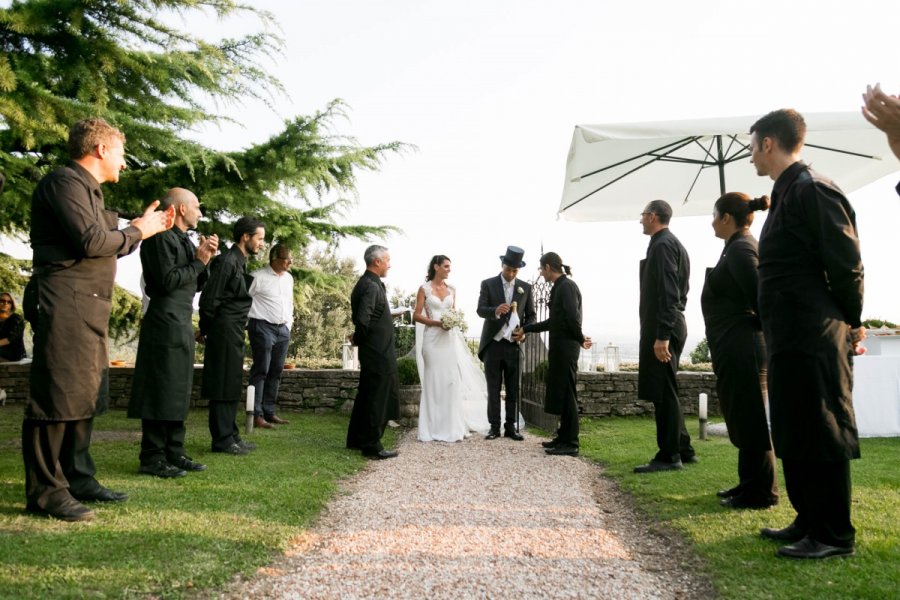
x,y
271,317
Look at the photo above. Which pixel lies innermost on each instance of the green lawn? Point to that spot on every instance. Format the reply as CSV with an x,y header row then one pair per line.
x,y
195,533
741,564
171,536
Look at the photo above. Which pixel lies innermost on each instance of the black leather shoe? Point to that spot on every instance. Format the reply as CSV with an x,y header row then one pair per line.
x,y
513,435
103,494
162,469
810,548
740,503
655,466
234,450
551,443
728,493
248,446
380,455
790,534
67,509
183,462
690,459
562,450
493,434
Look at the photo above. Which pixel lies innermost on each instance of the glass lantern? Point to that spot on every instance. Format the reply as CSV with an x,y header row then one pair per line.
x,y
612,358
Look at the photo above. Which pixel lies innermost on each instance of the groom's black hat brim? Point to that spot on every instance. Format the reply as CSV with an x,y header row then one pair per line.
x,y
513,257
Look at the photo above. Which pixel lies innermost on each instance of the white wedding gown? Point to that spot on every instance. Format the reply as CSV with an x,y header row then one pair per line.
x,y
454,393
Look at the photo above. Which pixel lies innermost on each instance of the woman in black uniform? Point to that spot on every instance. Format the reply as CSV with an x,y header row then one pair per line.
x,y
738,350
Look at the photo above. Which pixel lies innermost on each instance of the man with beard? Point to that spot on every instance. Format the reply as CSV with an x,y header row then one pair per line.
x,y
224,305
174,270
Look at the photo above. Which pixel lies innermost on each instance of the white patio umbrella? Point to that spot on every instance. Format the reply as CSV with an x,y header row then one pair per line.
x,y
614,170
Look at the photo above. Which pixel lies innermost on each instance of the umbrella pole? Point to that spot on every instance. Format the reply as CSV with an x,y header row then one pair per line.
x,y
721,162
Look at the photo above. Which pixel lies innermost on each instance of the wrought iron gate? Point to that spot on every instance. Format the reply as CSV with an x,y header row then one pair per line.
x,y
534,362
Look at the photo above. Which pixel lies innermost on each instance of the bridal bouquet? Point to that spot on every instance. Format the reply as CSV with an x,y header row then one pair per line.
x,y
452,318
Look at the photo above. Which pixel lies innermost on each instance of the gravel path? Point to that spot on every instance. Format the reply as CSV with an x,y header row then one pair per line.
x,y
480,519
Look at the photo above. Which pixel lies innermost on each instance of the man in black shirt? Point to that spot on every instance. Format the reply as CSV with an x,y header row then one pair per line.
x,y
810,304
224,306
174,271
76,242
664,278
378,396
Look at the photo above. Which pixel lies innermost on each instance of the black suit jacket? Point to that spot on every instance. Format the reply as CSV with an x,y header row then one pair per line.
x,y
491,297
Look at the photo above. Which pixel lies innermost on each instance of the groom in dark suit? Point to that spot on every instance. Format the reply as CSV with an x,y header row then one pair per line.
x,y
500,355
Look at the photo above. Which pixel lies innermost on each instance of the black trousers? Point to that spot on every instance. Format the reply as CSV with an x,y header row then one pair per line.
x,y
820,493
161,440
671,434
222,425
501,367
57,460
756,472
568,422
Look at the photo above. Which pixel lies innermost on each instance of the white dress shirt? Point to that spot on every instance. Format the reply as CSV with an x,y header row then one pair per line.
x,y
273,297
508,293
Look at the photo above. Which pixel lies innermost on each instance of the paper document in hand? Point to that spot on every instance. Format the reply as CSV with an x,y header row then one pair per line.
x,y
511,326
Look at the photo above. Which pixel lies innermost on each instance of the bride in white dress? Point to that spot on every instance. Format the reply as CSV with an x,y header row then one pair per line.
x,y
454,396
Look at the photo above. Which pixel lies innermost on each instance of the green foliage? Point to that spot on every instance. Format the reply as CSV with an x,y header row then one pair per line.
x,y
409,372
322,319
700,354
61,61
878,324
742,565
540,370
172,539
404,340
125,313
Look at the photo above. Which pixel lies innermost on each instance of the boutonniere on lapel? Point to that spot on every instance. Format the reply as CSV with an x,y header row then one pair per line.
x,y
519,290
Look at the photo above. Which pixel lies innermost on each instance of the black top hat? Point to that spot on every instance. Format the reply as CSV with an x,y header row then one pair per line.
x,y
513,257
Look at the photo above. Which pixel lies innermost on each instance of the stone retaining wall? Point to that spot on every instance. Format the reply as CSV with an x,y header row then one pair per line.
x,y
330,390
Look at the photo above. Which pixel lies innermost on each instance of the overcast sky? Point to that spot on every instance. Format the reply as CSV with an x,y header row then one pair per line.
x,y
490,91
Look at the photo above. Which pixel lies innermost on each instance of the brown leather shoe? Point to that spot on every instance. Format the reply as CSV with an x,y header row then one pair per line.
x,y
65,509
261,423
277,420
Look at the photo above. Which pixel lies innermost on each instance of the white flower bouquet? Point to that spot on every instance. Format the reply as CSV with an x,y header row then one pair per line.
x,y
519,290
452,318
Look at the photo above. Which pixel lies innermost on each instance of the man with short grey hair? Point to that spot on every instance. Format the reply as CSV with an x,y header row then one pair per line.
x,y
378,396
664,276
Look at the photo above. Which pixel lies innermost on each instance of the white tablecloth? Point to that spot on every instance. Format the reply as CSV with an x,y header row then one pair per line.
x,y
876,395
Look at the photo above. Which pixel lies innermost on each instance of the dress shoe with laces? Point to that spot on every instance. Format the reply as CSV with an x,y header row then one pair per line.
x,y
277,420
183,462
513,435
689,459
551,443
740,503
790,534
248,446
562,450
162,469
810,548
67,509
493,434
656,466
261,423
101,494
234,450
381,454
729,492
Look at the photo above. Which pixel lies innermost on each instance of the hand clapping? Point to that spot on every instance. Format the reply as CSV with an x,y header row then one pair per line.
x,y
207,248
154,221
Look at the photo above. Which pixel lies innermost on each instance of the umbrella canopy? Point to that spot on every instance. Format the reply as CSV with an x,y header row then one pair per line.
x,y
614,170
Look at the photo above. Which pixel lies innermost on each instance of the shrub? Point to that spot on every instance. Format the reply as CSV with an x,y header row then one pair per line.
x,y
409,372
700,354
878,324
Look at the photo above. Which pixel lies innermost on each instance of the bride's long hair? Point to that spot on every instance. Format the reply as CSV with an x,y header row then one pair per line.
x,y
437,259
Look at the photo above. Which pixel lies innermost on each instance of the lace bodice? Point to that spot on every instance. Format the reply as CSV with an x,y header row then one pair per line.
x,y
434,306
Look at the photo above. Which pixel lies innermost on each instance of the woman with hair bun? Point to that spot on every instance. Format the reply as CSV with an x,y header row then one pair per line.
x,y
564,348
738,350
